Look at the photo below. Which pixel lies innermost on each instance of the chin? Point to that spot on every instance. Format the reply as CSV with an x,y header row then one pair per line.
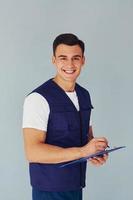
x,y
70,79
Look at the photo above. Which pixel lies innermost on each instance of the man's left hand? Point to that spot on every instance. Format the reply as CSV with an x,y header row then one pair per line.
x,y
98,161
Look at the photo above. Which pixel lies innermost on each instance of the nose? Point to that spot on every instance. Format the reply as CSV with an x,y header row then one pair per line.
x,y
70,63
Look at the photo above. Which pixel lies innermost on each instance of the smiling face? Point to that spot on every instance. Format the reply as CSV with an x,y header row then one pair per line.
x,y
68,61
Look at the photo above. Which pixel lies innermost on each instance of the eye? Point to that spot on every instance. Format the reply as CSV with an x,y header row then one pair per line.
x,y
63,58
76,58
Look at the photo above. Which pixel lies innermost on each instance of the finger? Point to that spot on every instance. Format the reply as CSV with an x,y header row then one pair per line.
x,y
98,160
94,162
102,139
101,145
101,160
105,156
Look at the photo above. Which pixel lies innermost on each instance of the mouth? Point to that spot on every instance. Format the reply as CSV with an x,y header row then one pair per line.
x,y
69,71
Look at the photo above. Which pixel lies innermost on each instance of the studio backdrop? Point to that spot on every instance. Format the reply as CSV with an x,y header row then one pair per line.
x,y
27,30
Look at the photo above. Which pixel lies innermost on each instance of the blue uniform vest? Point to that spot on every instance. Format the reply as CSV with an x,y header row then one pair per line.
x,y
67,127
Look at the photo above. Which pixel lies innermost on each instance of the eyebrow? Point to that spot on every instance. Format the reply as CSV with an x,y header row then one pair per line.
x,y
62,56
66,56
77,56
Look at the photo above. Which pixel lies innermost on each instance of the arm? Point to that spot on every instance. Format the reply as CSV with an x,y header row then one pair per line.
x,y
39,152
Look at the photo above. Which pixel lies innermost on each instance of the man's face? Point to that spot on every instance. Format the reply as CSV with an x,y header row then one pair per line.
x,y
68,61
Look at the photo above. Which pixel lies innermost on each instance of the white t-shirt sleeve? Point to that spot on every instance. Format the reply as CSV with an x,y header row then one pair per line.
x,y
35,112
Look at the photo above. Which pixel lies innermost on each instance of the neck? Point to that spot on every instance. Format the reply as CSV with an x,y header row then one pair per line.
x,y
67,86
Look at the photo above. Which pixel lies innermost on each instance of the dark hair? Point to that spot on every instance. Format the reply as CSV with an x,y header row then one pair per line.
x,y
68,39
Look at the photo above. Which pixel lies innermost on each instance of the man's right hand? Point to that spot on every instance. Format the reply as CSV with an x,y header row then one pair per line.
x,y
93,146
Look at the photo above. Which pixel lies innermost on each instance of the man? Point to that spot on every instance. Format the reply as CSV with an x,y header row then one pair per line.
x,y
56,126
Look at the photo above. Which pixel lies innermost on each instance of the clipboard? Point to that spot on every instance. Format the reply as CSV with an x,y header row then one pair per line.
x,y
101,153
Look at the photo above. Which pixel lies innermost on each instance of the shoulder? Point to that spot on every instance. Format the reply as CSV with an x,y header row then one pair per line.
x,y
82,89
34,96
84,94
43,87
35,99
35,112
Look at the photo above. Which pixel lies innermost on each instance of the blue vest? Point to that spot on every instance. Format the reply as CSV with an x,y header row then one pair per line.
x,y
67,127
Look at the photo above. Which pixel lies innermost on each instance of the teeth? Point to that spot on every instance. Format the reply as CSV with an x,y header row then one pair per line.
x,y
69,71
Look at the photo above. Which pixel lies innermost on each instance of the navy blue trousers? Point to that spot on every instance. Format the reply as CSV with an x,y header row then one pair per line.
x,y
43,195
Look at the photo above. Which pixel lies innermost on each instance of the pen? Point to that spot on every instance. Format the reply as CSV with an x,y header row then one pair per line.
x,y
103,154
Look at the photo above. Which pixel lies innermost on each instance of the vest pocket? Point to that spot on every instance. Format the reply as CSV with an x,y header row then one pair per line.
x,y
59,121
73,121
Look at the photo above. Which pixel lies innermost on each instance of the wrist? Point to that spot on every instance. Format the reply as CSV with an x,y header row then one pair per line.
x,y
82,152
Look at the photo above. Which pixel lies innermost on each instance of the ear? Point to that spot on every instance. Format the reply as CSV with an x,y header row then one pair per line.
x,y
53,59
83,60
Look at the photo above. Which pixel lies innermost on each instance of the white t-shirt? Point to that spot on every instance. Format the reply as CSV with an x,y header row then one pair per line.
x,y
36,110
